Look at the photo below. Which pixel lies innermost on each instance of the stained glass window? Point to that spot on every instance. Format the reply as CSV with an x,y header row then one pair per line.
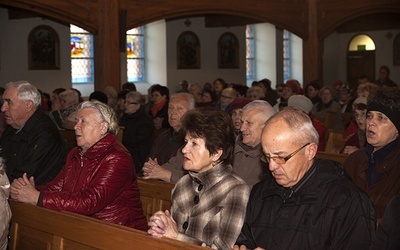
x,y
286,55
249,52
135,54
82,55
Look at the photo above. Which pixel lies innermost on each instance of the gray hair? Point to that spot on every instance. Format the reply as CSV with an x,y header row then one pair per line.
x,y
189,98
262,106
197,85
71,97
27,92
107,114
231,92
299,124
257,90
136,96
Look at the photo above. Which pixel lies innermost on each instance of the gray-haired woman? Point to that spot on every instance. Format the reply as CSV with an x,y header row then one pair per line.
x,y
98,178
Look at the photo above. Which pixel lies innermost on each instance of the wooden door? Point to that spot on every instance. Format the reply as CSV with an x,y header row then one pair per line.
x,y
360,63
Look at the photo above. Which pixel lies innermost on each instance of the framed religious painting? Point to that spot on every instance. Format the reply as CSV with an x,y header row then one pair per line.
x,y
228,51
43,48
188,51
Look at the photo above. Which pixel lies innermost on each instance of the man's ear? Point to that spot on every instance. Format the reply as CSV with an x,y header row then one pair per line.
x,y
312,150
28,105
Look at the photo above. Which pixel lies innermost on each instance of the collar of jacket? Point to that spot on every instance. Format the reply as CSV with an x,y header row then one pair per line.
x,y
251,151
26,129
211,176
382,154
98,148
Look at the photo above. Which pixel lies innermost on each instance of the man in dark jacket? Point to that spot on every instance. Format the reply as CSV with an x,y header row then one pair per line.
x,y
31,142
305,203
161,164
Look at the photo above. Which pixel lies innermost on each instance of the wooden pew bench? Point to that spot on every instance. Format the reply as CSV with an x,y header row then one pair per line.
x,y
155,195
332,156
39,228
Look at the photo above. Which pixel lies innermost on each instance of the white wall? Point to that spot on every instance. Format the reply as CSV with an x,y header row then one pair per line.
x,y
265,52
335,52
156,54
209,70
14,51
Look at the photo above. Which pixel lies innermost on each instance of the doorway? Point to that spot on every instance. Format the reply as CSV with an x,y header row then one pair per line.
x,y
360,59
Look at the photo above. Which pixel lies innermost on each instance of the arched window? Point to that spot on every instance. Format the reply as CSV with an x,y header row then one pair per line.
x,y
82,55
286,56
250,52
361,43
135,54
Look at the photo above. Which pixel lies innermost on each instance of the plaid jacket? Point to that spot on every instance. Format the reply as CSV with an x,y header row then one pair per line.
x,y
209,207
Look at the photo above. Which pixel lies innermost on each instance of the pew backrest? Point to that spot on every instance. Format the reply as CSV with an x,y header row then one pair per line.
x,y
332,156
155,195
39,228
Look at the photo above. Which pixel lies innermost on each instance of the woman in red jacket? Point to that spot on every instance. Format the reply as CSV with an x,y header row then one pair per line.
x,y
98,179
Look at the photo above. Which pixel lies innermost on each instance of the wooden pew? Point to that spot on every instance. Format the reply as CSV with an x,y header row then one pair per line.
x,y
155,195
332,156
38,228
335,141
69,138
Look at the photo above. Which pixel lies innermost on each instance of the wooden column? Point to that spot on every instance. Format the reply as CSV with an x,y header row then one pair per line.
x,y
107,51
312,47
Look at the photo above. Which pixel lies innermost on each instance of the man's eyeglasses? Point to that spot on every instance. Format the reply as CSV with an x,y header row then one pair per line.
x,y
279,159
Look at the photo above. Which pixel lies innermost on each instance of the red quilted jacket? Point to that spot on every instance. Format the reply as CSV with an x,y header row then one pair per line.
x,y
101,183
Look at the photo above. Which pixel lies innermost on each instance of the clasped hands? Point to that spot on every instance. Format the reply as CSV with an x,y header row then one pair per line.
x,y
162,224
23,190
151,170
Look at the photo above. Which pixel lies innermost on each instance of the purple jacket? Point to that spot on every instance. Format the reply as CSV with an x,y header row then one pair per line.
x,y
101,183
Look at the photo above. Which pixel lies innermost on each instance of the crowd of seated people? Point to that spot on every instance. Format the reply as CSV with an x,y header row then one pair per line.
x,y
170,137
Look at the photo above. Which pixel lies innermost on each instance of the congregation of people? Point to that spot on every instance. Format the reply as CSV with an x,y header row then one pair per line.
x,y
244,161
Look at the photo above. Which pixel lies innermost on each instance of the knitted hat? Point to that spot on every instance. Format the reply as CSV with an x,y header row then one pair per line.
x,y
392,114
239,103
300,102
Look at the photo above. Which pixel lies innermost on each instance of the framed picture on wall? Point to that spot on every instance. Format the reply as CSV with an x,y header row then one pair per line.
x,y
43,48
188,51
228,51
396,50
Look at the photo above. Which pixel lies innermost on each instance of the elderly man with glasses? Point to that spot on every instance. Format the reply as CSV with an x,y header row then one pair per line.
x,y
306,203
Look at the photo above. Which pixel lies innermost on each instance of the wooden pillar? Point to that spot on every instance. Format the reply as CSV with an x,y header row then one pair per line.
x,y
312,47
107,46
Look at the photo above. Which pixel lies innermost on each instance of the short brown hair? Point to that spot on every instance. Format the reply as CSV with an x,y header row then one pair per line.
x,y
215,127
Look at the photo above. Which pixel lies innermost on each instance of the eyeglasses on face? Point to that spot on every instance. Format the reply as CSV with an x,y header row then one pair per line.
x,y
279,159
